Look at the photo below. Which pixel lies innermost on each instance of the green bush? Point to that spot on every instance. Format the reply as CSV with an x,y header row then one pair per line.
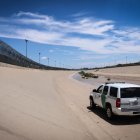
x,y
82,73
87,75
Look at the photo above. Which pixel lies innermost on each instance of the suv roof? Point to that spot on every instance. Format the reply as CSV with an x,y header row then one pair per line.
x,y
121,85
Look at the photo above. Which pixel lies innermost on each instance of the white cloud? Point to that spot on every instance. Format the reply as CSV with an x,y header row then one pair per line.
x,y
87,44
29,14
51,51
44,58
83,26
79,14
99,36
127,40
91,57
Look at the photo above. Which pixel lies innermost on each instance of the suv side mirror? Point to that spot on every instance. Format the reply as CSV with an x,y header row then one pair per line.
x,y
94,90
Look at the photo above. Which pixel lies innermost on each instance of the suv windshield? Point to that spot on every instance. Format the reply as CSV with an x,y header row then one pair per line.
x,y
130,92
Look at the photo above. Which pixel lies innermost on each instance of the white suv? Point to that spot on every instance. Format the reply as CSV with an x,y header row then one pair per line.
x,y
117,98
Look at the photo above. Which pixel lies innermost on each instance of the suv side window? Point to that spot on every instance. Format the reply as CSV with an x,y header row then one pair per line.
x,y
105,91
100,89
113,91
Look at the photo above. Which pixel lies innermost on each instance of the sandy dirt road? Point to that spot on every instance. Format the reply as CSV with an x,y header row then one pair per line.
x,y
50,105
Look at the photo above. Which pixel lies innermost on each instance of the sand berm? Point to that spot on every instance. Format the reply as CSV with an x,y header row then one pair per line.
x,y
50,105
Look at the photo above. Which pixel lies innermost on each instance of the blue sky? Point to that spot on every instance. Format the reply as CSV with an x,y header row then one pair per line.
x,y
74,33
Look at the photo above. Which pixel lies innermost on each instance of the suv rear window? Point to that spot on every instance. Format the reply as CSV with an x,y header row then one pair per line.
x,y
130,92
113,91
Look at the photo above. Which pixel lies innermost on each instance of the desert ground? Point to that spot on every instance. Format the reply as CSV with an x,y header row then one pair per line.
x,y
129,72
51,105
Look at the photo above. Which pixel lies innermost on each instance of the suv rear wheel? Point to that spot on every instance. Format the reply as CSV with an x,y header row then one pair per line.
x,y
109,113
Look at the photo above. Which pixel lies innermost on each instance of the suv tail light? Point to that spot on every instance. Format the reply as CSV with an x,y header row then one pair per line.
x,y
118,102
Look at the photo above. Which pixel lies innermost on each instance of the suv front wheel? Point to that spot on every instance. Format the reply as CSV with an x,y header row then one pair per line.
x,y
92,104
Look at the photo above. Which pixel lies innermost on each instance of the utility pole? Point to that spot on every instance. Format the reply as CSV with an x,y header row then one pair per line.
x,y
126,59
48,61
39,57
55,63
63,65
26,41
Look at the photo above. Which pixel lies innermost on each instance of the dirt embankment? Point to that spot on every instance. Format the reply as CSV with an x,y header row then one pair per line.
x,y
48,105
129,72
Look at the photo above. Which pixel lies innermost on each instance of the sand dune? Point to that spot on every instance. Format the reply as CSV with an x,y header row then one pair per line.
x,y
30,108
129,72
49,105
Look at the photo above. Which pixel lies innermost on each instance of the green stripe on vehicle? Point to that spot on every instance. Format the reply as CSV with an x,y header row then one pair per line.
x,y
103,99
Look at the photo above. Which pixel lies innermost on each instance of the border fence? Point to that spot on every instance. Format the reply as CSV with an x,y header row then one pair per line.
x,y
11,56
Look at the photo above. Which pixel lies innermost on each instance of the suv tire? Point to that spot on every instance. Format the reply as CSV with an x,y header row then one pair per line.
x,y
109,113
92,104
